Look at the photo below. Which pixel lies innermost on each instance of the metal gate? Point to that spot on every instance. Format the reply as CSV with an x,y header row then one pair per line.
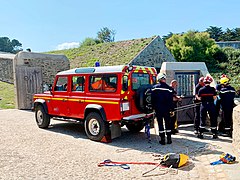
x,y
186,87
28,82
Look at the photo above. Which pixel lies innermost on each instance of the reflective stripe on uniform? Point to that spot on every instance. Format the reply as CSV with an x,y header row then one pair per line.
x,y
164,89
228,91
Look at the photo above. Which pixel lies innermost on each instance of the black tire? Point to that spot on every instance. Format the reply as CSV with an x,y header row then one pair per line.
x,y
42,118
135,127
143,99
95,127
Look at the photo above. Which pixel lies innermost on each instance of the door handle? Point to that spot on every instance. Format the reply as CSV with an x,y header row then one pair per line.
x,y
64,100
81,101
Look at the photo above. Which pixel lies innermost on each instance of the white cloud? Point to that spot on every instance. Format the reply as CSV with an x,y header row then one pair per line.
x,y
67,45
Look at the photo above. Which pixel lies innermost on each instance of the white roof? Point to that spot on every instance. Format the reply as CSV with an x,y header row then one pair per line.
x,y
4,55
100,69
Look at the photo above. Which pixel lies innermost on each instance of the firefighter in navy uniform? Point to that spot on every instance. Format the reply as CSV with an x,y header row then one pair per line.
x,y
197,113
227,94
207,94
162,99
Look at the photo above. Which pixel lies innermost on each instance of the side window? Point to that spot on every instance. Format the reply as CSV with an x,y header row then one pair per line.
x,y
78,83
61,84
125,83
103,83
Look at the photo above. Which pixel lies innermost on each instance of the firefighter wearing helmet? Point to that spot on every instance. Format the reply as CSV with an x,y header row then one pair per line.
x,y
207,94
162,99
227,94
197,101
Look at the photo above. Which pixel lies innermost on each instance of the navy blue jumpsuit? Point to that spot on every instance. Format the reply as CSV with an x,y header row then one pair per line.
x,y
227,94
207,93
162,100
197,113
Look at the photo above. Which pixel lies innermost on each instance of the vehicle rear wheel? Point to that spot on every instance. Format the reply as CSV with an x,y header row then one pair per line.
x,y
135,126
42,118
95,127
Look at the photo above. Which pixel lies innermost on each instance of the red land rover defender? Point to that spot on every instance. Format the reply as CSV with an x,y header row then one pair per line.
x,y
104,98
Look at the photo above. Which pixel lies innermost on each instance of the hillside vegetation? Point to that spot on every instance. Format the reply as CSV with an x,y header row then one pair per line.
x,y
7,96
113,53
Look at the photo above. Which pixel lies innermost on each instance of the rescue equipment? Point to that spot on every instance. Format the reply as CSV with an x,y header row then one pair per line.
x,y
225,159
174,160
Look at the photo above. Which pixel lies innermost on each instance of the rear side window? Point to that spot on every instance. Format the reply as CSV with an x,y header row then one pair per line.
x,y
139,79
103,83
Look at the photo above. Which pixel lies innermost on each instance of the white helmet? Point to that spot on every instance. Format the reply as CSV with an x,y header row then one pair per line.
x,y
161,76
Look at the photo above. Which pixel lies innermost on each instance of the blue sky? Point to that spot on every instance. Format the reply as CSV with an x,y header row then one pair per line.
x,y
45,25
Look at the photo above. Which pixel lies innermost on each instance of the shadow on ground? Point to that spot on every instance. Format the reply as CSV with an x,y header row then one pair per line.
x,y
185,142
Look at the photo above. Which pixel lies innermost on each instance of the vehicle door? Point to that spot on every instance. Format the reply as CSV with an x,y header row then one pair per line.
x,y
59,102
76,97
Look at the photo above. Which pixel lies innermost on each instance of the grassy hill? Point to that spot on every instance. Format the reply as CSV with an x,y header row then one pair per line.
x,y
114,53
7,96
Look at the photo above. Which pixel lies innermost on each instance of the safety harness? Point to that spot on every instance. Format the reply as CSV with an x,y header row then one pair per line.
x,y
225,159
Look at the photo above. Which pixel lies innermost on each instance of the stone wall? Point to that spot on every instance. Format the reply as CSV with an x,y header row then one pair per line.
x,y
236,128
6,67
153,55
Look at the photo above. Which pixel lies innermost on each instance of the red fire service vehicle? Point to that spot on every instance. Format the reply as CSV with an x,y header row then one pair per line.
x,y
103,98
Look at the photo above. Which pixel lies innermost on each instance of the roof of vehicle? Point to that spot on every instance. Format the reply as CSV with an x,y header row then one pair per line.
x,y
100,69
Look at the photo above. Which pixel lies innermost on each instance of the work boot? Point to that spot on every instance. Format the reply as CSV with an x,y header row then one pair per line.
x,y
196,131
214,132
200,135
162,136
169,138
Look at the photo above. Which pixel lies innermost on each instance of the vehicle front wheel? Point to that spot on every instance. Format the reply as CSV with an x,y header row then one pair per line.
x,y
42,118
95,127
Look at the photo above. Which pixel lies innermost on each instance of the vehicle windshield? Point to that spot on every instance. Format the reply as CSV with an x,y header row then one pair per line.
x,y
139,79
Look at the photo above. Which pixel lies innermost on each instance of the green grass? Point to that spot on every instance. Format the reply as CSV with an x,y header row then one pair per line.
x,y
113,53
7,95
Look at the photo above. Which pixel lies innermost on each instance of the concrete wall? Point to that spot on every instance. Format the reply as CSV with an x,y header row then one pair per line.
x,y
6,67
233,44
153,55
236,128
171,67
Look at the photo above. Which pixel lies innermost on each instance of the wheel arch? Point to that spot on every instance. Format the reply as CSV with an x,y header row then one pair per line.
x,y
42,102
95,108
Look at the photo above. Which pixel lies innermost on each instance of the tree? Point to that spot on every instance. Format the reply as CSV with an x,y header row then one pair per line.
x,y
106,35
6,45
165,37
215,32
89,42
193,46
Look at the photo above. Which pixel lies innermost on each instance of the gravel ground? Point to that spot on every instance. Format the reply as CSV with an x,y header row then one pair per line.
x,y
64,152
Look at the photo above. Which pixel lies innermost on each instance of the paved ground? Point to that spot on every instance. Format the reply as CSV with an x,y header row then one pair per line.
x,y
64,152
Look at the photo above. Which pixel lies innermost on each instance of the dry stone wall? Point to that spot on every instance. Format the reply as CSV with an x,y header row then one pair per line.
x,y
153,55
50,64
6,67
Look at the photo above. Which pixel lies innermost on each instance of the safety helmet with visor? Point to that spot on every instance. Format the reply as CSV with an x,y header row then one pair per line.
x,y
161,76
207,79
224,80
